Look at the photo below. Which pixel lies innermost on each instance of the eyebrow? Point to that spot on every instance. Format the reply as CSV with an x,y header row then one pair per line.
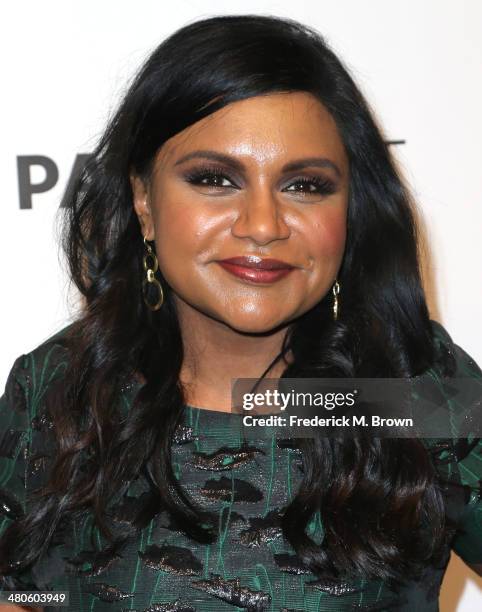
x,y
298,164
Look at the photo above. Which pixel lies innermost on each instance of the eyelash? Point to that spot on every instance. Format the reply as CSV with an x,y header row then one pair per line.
x,y
323,186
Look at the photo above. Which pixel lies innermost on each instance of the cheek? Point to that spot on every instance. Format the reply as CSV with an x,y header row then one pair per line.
x,y
327,233
175,227
184,233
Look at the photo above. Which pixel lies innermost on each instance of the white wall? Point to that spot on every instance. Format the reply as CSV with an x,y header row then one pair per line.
x,y
64,65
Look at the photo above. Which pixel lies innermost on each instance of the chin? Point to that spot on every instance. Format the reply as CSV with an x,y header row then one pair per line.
x,y
254,325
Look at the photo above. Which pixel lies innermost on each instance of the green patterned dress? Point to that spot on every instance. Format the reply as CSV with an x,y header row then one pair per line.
x,y
251,566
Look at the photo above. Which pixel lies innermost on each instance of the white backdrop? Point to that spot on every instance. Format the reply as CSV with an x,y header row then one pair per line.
x,y
419,62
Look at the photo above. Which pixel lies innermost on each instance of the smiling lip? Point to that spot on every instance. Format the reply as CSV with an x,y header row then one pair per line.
x,y
256,269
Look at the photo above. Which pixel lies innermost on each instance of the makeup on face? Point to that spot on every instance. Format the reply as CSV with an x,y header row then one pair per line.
x,y
216,173
257,269
248,207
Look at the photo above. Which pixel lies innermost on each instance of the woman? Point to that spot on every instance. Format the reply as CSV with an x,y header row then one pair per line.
x,y
241,141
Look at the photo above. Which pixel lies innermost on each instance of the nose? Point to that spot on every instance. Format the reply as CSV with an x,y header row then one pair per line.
x,y
260,218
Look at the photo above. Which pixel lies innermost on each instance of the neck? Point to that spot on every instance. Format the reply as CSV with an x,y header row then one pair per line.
x,y
214,354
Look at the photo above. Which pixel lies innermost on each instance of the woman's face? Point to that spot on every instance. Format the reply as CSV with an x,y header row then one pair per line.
x,y
264,177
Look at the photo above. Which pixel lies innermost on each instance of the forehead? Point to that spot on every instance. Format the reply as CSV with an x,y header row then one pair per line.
x,y
263,129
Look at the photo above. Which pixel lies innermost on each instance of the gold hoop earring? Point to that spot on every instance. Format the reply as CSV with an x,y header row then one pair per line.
x,y
150,282
336,291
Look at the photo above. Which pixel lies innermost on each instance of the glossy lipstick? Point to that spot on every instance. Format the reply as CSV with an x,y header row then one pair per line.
x,y
256,269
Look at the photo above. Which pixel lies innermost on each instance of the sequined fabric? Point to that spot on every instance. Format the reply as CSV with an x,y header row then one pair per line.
x,y
245,479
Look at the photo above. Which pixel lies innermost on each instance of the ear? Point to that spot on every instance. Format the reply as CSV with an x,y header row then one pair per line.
x,y
140,196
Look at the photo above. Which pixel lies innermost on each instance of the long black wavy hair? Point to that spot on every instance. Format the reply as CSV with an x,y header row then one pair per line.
x,y
381,508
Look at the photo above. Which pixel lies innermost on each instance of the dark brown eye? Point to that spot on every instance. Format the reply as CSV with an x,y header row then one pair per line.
x,y
311,185
210,177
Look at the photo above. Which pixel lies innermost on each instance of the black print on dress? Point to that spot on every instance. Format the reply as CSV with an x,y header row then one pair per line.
x,y
336,589
175,606
9,505
452,452
226,489
290,443
232,592
184,435
15,395
390,603
127,386
38,464
172,559
466,491
463,447
226,513
135,512
262,529
97,561
106,592
456,492
130,507
9,442
437,394
291,564
225,458
41,422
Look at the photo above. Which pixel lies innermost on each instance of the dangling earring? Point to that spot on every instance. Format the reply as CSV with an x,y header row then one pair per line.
x,y
336,291
153,282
